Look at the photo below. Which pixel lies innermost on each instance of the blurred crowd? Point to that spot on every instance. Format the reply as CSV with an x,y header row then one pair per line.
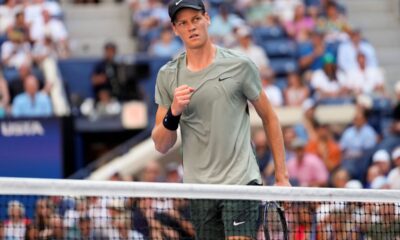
x,y
32,38
114,217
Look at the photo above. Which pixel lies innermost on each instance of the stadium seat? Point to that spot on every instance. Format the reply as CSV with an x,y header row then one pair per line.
x,y
77,74
262,34
283,66
279,48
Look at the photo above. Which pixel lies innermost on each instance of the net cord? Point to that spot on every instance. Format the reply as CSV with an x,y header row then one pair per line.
x,y
61,187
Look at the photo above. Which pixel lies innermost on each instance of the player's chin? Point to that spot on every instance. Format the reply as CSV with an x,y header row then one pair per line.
x,y
194,44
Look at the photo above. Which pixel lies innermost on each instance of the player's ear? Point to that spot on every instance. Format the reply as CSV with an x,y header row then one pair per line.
x,y
174,29
207,18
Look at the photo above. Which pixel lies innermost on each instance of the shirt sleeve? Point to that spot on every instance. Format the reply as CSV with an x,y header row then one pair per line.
x,y
251,84
162,94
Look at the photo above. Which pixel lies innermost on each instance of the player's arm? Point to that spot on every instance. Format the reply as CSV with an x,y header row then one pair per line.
x,y
274,133
167,119
163,138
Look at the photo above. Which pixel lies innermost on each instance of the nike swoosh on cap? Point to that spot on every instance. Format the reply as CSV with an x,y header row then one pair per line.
x,y
237,223
176,4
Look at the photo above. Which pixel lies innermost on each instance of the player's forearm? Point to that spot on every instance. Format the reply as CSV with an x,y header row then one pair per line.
x,y
163,138
274,134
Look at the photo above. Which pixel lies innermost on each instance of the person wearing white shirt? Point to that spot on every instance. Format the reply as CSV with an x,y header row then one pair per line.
x,y
394,174
52,28
365,79
347,52
254,52
16,52
328,82
273,93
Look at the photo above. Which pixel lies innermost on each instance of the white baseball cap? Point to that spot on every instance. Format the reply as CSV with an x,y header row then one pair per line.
x,y
396,153
354,184
381,156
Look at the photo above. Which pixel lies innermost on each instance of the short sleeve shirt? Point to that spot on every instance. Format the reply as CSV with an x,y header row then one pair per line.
x,y
215,126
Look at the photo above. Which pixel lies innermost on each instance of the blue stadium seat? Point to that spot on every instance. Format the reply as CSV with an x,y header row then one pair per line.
x,y
77,74
283,66
262,34
280,48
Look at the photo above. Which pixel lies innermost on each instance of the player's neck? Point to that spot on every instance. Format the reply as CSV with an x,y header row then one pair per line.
x,y
198,59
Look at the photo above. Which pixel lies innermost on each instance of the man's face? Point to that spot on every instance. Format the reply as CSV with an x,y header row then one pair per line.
x,y
31,85
191,26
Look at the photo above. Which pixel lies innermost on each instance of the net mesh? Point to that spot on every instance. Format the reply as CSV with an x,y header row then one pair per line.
x,y
44,209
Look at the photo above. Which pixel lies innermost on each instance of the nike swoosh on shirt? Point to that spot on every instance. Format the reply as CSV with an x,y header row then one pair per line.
x,y
223,78
176,4
237,223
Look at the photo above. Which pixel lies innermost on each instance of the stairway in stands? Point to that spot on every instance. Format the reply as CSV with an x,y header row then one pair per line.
x,y
91,25
380,22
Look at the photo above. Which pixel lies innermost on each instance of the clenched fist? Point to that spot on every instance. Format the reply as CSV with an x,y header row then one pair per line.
x,y
182,97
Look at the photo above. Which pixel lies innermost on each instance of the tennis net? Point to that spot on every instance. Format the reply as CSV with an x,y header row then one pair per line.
x,y
79,209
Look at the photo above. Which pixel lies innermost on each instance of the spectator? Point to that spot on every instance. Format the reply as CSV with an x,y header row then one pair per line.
x,y
306,169
365,79
16,223
334,24
1,230
328,82
312,53
98,212
151,172
174,172
285,9
43,210
251,50
105,75
107,105
340,178
167,45
394,174
322,144
357,143
372,174
20,26
32,232
296,92
358,137
223,24
84,229
381,159
273,92
17,86
301,25
4,98
149,18
121,228
32,103
258,11
348,50
43,49
386,224
53,29
7,15
56,228
33,10
15,53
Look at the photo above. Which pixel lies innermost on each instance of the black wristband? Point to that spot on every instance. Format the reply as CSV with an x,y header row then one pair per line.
x,y
170,121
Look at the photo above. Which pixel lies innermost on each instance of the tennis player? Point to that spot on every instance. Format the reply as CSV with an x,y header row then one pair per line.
x,y
205,91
